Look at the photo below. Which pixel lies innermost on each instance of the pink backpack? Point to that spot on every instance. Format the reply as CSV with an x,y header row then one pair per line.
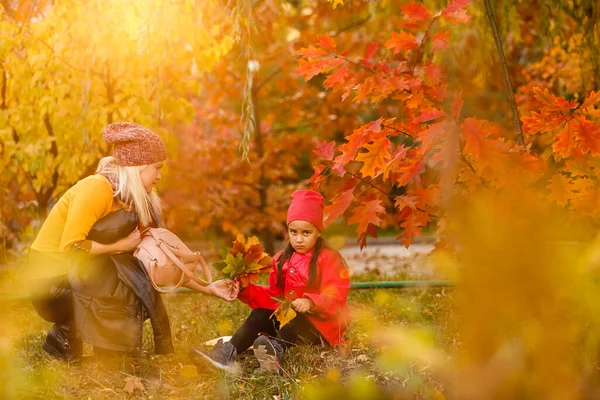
x,y
169,261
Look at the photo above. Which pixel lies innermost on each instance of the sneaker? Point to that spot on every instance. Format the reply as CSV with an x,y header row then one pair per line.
x,y
221,356
268,352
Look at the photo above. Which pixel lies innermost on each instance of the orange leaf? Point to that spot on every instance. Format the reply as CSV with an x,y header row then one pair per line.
x,y
428,116
565,141
412,227
401,41
560,189
354,143
456,106
593,98
415,12
318,177
474,137
366,214
311,52
326,42
376,157
588,137
441,40
406,201
339,204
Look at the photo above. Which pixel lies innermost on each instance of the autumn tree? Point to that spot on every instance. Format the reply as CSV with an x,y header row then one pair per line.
x,y
254,92
69,68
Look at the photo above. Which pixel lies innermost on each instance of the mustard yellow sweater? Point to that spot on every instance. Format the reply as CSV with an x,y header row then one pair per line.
x,y
71,219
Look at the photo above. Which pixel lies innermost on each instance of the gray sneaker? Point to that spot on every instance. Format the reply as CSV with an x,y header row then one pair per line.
x,y
268,352
221,356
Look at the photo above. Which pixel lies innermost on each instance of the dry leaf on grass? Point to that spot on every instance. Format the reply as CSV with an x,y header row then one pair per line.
x,y
132,384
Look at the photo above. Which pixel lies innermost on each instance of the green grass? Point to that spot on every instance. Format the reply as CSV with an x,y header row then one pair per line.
x,y
354,371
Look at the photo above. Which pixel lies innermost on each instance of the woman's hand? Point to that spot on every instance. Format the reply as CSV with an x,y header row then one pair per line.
x,y
225,289
130,242
302,305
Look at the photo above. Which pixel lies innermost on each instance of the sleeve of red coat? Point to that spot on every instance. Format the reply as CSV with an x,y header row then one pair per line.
x,y
260,296
334,285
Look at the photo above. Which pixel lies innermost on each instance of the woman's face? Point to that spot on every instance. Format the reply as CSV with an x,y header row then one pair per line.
x,y
303,235
150,174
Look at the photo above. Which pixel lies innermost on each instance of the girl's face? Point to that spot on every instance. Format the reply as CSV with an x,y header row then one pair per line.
x,y
303,235
150,174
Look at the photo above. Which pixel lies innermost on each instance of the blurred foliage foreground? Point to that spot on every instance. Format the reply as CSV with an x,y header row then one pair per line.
x,y
521,323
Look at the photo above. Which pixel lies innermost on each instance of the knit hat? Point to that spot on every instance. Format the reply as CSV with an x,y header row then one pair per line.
x,y
134,144
307,205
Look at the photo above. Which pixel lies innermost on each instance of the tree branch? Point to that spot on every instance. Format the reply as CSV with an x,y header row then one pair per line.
x,y
352,25
509,89
267,79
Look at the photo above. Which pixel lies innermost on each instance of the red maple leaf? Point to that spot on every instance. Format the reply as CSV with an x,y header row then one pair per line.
x,y
441,40
325,150
456,5
371,48
401,41
415,12
318,177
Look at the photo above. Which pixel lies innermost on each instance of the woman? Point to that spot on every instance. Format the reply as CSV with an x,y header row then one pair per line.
x,y
87,281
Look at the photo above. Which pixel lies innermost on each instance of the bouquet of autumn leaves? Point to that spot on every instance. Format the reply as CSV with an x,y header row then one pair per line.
x,y
244,261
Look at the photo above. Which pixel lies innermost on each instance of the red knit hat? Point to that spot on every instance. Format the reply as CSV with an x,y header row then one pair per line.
x,y
134,144
307,205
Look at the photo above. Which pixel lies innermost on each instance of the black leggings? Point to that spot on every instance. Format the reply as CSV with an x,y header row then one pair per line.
x,y
297,331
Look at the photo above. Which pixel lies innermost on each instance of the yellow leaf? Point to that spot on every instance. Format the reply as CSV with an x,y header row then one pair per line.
x,y
335,3
284,313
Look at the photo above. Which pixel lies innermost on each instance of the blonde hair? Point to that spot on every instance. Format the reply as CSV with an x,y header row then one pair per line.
x,y
129,188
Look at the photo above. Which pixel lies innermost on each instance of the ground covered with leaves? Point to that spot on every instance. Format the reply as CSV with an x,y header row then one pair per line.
x,y
366,367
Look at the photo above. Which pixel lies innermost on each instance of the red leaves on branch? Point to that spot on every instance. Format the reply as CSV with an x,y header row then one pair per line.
x,y
396,170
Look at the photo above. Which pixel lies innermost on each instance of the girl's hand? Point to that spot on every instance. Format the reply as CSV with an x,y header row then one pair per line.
x,y
302,305
225,289
130,242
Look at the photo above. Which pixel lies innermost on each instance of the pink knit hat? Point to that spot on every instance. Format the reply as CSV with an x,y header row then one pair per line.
x,y
307,205
134,144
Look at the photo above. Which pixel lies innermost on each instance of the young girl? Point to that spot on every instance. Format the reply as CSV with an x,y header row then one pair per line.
x,y
313,277
82,271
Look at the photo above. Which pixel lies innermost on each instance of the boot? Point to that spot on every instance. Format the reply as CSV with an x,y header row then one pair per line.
x,y
62,343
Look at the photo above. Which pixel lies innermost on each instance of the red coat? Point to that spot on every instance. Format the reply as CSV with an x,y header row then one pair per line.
x,y
331,314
